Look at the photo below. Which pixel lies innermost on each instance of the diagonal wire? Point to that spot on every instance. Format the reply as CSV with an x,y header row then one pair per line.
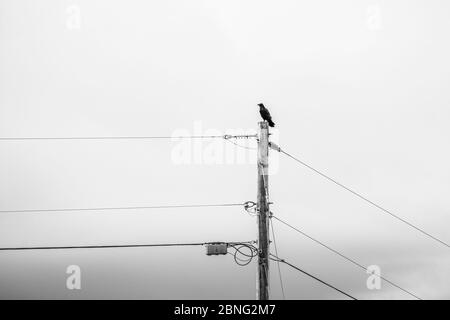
x,y
278,262
343,256
311,276
367,200
240,146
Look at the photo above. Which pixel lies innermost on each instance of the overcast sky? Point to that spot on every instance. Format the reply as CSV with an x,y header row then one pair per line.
x,y
358,89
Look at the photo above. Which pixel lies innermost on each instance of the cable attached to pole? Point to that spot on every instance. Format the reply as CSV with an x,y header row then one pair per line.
x,y
278,262
225,136
277,148
275,258
126,208
111,246
343,256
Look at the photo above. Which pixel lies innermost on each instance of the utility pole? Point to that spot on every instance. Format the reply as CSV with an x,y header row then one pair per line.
x,y
263,213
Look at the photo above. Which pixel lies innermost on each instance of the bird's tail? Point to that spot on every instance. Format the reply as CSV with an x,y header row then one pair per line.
x,y
271,123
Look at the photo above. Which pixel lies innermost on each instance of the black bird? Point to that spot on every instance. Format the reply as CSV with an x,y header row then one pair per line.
x,y
265,114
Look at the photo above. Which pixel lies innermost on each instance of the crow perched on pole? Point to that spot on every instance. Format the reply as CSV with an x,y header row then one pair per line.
x,y
265,114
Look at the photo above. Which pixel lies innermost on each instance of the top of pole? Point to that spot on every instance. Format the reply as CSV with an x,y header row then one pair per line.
x,y
263,125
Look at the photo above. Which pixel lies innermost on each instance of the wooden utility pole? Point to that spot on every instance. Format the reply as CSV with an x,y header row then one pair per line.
x,y
263,213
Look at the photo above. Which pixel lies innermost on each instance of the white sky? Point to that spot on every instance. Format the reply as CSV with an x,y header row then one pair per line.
x,y
358,89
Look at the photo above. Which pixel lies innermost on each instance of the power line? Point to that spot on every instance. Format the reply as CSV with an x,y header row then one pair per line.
x,y
226,136
365,199
116,246
343,256
311,276
100,246
247,257
240,146
125,208
107,138
278,262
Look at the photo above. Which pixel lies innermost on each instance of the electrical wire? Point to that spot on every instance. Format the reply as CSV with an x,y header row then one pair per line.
x,y
248,257
125,208
250,208
366,200
311,276
278,262
119,246
343,256
240,146
226,136
101,246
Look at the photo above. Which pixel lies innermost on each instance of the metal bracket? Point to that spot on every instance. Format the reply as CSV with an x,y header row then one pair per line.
x,y
274,146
